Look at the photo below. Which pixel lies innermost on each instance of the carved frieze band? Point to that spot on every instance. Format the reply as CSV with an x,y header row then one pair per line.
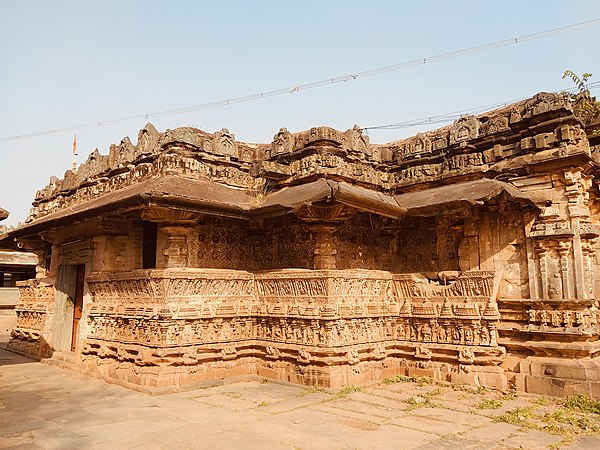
x,y
196,313
35,303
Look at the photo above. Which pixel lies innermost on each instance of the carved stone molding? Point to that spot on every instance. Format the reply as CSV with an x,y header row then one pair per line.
x,y
169,215
325,213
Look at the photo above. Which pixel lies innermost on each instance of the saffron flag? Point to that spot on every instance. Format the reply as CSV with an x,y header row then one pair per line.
x,y
74,164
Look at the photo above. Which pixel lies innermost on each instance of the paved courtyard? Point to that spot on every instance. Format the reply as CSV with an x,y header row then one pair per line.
x,y
42,406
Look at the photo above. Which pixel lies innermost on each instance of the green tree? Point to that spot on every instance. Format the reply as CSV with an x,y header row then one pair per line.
x,y
585,107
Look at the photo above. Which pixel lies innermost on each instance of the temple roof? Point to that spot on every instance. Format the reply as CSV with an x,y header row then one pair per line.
x,y
174,191
458,196
192,170
295,197
214,198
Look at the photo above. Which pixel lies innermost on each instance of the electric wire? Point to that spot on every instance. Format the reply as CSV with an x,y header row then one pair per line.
x,y
454,115
315,84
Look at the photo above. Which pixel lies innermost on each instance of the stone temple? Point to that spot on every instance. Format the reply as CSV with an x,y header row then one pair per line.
x,y
466,254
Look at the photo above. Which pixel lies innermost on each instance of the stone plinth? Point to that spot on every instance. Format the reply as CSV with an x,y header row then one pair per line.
x,y
159,328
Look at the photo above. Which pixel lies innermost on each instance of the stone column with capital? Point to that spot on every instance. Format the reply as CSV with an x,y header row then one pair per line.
x,y
325,247
177,239
176,246
564,250
542,254
324,220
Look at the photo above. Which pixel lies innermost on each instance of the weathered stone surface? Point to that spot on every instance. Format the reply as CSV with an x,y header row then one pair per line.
x,y
466,254
44,406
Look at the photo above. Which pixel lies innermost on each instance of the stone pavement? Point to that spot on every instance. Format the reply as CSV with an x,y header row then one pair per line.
x,y
42,406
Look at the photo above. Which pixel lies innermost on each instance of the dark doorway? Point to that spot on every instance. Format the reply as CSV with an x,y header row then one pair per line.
x,y
149,237
78,303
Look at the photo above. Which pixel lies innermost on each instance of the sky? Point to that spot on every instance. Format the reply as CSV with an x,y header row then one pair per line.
x,y
67,63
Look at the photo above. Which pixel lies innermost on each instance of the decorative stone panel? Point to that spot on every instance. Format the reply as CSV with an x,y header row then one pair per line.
x,y
310,326
36,305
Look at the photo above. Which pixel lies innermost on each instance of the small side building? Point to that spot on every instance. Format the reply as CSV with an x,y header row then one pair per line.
x,y
15,265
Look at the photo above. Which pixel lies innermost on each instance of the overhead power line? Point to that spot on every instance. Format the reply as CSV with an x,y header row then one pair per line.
x,y
325,82
452,116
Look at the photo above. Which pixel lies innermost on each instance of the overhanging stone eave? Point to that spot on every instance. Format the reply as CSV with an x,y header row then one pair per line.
x,y
292,198
460,197
189,205
199,196
537,163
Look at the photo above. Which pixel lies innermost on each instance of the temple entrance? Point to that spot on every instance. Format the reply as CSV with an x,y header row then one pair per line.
x,y
77,303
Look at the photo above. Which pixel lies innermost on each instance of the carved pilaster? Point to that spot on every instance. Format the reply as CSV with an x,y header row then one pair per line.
x,y
542,254
577,187
325,247
176,249
324,221
589,253
564,250
386,257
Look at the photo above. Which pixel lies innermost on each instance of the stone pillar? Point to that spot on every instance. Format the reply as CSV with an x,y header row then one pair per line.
x,y
324,220
468,250
589,252
110,253
176,250
177,239
40,268
325,247
564,250
542,254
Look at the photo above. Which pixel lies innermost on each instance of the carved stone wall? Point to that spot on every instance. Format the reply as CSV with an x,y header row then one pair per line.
x,y
363,242
36,305
319,327
223,244
283,243
428,244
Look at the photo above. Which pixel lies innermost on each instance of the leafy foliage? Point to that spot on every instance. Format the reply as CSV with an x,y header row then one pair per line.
x,y
584,105
582,403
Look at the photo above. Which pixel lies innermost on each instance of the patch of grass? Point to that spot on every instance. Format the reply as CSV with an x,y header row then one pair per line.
x,y
263,381
421,381
433,393
467,388
543,401
349,390
232,395
520,416
489,404
564,441
582,403
311,390
261,404
512,392
566,420
420,401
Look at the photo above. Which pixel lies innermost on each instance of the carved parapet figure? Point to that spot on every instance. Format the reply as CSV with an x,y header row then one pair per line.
x,y
36,304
